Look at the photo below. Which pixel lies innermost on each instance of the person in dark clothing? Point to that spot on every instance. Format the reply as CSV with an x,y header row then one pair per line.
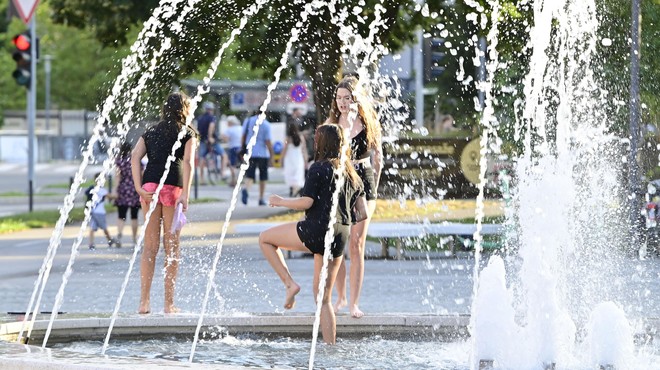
x,y
209,143
309,235
157,144
126,196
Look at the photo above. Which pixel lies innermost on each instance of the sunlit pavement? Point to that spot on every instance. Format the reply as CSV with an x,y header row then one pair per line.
x,y
244,282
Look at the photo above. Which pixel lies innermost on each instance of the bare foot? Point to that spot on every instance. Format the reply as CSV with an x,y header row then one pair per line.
x,y
144,309
172,310
291,292
355,312
341,303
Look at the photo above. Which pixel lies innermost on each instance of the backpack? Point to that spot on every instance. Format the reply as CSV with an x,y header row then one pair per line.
x,y
88,193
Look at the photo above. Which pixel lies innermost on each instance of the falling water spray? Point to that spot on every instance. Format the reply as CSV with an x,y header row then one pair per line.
x,y
130,66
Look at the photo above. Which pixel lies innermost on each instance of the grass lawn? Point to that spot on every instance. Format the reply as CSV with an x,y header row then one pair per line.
x,y
48,218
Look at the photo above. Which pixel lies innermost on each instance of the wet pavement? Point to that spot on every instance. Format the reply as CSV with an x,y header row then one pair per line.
x,y
244,282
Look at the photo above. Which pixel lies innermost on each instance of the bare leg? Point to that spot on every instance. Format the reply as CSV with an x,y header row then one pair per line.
x,y
149,252
107,234
91,237
134,229
341,287
271,240
172,257
120,228
262,189
328,319
356,249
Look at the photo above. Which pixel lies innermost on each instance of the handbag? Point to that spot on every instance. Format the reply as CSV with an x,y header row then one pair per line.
x,y
360,210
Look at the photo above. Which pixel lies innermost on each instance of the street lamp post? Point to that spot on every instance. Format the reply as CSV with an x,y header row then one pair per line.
x,y
47,69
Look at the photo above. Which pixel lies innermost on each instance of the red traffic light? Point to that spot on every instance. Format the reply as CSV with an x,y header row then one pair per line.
x,y
22,42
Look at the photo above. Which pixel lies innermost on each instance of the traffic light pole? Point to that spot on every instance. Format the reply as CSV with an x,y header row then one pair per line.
x,y
32,109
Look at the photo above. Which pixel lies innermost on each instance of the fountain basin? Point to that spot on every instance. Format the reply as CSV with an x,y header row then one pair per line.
x,y
69,328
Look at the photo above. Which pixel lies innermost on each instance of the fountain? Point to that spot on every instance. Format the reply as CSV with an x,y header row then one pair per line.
x,y
545,305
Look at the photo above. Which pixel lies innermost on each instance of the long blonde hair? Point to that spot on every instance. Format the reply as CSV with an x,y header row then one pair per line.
x,y
365,110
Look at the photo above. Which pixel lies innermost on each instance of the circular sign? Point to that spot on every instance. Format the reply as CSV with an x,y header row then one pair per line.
x,y
298,93
470,157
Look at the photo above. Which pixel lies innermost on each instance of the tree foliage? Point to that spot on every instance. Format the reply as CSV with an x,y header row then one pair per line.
x,y
262,42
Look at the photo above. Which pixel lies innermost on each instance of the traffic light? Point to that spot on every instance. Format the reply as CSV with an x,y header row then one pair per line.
x,y
22,55
433,58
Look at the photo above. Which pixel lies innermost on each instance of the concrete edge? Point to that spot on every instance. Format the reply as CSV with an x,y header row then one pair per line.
x,y
438,327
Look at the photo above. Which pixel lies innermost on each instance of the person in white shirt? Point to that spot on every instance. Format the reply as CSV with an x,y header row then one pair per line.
x,y
98,220
233,136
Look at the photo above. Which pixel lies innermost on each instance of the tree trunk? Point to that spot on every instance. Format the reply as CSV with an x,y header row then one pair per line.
x,y
322,62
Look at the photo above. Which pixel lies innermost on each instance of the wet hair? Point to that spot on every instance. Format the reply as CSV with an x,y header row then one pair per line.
x,y
176,110
293,132
328,143
365,110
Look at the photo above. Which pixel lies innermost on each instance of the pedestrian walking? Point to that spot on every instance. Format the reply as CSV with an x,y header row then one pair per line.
x,y
294,158
98,213
309,235
126,198
262,155
364,132
157,143
233,137
211,154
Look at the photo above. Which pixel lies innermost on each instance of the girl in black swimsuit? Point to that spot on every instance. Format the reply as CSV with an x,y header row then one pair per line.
x,y
309,235
366,154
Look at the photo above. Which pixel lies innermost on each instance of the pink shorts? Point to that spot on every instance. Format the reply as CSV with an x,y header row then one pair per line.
x,y
167,196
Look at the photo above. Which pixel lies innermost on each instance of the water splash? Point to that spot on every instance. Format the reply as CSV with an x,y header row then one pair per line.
x,y
309,9
130,66
354,45
202,89
567,172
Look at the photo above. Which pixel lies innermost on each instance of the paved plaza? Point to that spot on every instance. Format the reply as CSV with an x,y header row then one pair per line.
x,y
422,283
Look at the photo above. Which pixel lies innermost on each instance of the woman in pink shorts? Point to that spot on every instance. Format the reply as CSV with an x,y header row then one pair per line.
x,y
157,143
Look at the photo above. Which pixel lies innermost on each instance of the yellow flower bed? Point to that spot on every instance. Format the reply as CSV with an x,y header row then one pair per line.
x,y
414,210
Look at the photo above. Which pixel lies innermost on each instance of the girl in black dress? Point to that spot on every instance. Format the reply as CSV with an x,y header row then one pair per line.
x,y
308,235
366,154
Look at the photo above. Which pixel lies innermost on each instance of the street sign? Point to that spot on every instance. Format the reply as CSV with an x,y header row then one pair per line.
x,y
25,9
298,93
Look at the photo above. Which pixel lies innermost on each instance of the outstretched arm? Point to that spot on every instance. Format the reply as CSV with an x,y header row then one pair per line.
x,y
296,204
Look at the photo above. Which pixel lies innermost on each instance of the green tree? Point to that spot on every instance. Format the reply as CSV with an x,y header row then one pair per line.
x,y
81,67
261,43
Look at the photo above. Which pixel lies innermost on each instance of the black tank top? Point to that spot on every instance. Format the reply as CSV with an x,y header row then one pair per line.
x,y
359,148
159,140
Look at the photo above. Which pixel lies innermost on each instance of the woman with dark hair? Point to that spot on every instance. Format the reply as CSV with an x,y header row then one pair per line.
x,y
366,153
309,235
294,158
157,144
124,190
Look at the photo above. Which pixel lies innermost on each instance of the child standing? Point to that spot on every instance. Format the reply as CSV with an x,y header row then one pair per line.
x,y
98,220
